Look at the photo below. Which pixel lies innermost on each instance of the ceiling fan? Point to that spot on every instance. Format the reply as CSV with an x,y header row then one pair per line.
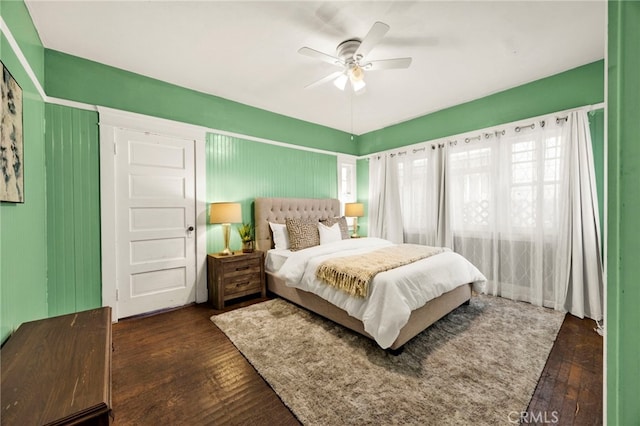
x,y
351,56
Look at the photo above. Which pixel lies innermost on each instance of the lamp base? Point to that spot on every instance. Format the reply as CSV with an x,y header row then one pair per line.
x,y
226,233
355,228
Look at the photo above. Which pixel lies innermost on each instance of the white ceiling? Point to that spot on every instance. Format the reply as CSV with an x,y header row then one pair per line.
x,y
247,51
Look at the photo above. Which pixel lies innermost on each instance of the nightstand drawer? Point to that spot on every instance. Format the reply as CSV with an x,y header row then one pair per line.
x,y
241,267
231,280
247,283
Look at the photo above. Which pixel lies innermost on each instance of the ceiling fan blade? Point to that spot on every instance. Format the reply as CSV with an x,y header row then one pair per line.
x,y
387,64
307,51
326,79
373,37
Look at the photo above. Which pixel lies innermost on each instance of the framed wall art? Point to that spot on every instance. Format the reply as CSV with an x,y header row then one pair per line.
x,y
11,141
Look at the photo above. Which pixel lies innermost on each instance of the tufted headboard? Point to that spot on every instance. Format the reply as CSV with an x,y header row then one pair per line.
x,y
278,209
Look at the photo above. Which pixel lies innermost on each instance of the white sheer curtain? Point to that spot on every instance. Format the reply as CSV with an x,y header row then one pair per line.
x,y
505,196
385,218
524,211
519,203
422,181
582,294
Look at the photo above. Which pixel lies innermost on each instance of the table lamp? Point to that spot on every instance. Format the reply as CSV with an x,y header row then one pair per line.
x,y
225,214
354,210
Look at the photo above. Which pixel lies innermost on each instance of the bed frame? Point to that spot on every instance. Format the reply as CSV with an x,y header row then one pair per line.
x,y
277,209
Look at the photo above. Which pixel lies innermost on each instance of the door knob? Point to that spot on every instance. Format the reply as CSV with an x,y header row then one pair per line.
x,y
190,228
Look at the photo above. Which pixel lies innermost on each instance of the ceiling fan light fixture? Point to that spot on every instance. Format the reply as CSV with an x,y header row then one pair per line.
x,y
351,56
356,73
357,85
356,76
341,81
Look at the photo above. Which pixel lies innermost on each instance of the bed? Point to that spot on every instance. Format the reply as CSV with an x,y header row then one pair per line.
x,y
276,210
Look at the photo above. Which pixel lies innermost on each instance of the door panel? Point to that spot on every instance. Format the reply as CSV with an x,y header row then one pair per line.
x,y
151,154
156,186
154,282
146,251
155,192
157,218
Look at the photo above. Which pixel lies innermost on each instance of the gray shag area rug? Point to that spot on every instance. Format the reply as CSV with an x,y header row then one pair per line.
x,y
475,366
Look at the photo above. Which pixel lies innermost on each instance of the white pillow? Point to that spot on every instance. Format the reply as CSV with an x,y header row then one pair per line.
x,y
329,234
280,235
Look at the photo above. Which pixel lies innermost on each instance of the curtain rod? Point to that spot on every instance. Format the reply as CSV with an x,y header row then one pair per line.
x,y
531,126
489,132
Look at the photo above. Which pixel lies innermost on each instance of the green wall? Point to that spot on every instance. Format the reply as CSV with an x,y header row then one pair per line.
x,y
623,268
73,210
239,170
574,88
17,18
70,77
23,256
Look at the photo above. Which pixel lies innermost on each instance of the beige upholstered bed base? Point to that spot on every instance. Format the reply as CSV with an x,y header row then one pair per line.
x,y
276,209
419,320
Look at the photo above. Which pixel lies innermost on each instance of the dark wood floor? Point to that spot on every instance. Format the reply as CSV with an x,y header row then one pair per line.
x,y
178,368
570,386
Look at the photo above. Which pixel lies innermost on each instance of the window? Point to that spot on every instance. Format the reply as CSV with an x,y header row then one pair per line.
x,y
471,180
535,181
346,179
412,178
522,174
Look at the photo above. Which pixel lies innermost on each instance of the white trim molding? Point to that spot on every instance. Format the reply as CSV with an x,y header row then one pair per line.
x,y
23,60
71,104
146,123
108,219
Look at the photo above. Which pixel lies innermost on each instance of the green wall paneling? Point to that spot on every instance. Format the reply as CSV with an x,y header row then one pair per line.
x,y
362,172
574,88
23,255
623,204
73,209
239,170
70,77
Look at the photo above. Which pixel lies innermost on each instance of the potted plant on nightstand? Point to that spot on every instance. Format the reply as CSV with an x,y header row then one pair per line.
x,y
246,235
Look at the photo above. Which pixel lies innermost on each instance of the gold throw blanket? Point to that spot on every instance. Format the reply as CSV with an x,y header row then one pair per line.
x,y
353,274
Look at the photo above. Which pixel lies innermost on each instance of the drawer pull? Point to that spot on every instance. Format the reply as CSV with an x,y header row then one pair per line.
x,y
242,268
242,284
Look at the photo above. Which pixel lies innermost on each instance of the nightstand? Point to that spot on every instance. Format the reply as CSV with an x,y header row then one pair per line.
x,y
237,275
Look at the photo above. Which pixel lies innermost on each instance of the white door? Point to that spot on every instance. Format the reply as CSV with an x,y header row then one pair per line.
x,y
155,220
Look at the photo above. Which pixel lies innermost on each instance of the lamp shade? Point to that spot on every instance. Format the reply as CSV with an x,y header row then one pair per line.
x,y
354,209
225,213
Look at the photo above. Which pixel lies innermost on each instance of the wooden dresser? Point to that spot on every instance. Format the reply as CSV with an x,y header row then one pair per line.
x,y
235,276
57,371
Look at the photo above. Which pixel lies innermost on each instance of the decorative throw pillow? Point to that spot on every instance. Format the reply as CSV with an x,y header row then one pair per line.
x,y
303,233
280,236
342,223
329,234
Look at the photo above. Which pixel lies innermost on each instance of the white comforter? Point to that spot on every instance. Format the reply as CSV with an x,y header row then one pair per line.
x,y
393,294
